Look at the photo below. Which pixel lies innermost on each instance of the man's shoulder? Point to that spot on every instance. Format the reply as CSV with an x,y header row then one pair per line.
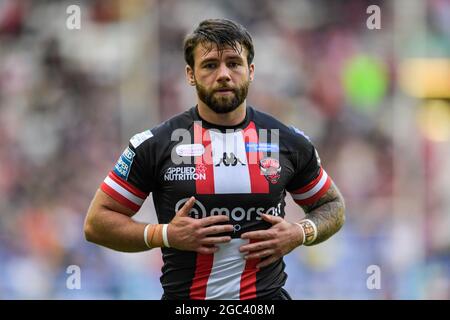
x,y
163,132
264,120
181,120
289,135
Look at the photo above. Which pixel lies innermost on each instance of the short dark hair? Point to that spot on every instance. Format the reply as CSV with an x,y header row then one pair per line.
x,y
222,33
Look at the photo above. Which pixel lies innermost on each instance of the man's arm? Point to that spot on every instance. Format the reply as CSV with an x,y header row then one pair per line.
x,y
110,224
328,214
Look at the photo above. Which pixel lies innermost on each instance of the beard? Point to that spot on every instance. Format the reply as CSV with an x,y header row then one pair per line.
x,y
225,103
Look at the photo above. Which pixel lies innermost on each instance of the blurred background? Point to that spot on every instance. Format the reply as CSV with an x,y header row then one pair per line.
x,y
376,104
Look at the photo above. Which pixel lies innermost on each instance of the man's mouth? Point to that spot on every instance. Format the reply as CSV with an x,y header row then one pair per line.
x,y
224,90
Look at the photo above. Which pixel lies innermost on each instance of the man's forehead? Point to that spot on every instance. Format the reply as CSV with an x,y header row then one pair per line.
x,y
211,50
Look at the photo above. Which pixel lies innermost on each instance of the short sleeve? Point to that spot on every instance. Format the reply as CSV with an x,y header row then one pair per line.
x,y
130,180
310,181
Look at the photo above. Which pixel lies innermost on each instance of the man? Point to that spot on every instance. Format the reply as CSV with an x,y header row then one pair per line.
x,y
219,174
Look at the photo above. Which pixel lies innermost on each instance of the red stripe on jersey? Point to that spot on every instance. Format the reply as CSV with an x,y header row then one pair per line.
x,y
203,269
248,279
258,182
118,197
127,186
204,162
310,185
317,195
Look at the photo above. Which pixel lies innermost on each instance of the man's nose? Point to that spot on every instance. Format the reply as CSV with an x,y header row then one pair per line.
x,y
224,73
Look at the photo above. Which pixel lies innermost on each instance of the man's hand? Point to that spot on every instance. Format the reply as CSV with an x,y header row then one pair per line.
x,y
273,243
186,233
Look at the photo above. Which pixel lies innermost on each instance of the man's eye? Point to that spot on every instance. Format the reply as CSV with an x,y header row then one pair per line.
x,y
209,66
233,64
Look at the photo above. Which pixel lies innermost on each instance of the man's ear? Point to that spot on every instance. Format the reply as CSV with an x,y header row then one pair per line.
x,y
190,77
251,74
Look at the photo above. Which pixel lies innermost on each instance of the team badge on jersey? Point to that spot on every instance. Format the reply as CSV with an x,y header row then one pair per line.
x,y
123,165
270,168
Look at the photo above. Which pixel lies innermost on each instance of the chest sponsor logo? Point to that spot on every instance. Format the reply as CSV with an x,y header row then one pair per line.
x,y
123,165
185,173
229,160
238,214
270,168
190,150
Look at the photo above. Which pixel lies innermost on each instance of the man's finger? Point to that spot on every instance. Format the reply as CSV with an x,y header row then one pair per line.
x,y
271,219
256,246
184,211
215,240
260,254
257,235
217,229
213,219
207,250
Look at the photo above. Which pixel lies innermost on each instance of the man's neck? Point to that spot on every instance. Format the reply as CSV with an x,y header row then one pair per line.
x,y
232,118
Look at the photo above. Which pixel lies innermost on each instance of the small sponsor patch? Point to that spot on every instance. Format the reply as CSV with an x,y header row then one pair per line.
x,y
185,173
123,165
263,147
190,150
318,158
137,139
300,132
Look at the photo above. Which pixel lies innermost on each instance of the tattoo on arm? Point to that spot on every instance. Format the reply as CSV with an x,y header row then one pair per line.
x,y
328,213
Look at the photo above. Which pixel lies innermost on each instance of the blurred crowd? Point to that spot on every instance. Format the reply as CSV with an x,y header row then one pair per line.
x,y
71,99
